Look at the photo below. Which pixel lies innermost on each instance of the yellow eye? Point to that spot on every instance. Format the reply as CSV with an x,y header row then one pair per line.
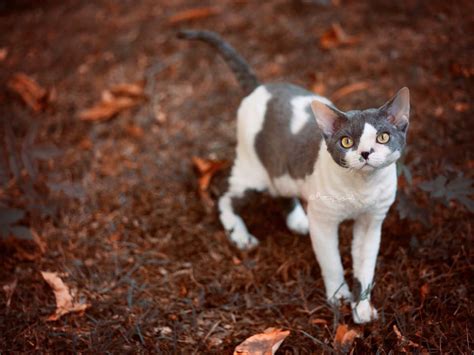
x,y
347,142
383,138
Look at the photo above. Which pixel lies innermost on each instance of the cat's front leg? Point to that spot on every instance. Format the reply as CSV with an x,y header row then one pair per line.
x,y
365,248
325,241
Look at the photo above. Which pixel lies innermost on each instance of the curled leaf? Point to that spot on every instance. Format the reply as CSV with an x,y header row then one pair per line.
x,y
265,343
194,14
64,299
335,37
36,97
345,338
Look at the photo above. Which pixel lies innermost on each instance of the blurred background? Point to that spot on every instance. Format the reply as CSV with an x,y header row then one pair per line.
x,y
116,139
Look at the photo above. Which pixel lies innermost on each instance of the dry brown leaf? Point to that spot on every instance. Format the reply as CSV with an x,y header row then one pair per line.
x,y
64,299
207,169
3,53
424,290
135,131
194,14
336,36
318,321
461,106
349,89
403,341
36,97
108,108
132,90
9,288
265,343
345,338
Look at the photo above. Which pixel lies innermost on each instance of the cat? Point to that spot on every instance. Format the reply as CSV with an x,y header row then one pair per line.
x,y
293,143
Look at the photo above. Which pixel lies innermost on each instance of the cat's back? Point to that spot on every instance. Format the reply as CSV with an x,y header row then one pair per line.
x,y
276,121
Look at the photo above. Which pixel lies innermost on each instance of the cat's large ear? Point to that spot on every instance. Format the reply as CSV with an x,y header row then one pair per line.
x,y
329,119
398,109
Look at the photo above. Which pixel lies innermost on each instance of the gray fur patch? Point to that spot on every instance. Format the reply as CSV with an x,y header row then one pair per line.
x,y
280,151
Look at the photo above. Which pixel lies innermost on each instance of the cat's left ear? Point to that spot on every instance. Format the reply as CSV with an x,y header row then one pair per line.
x,y
398,109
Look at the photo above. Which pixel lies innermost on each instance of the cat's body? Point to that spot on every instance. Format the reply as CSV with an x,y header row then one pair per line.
x,y
289,144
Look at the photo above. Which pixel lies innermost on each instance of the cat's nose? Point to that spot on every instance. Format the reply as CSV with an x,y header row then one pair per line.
x,y
365,155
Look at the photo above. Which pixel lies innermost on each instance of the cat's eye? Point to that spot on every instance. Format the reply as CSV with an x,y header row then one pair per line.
x,y
383,138
347,142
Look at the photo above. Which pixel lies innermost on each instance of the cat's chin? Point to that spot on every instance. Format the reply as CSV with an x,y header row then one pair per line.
x,y
368,168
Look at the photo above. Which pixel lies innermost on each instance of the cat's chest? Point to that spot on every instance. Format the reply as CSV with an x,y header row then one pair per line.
x,y
347,196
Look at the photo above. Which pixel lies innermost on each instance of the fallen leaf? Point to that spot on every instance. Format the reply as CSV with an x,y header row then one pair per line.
x,y
132,90
265,343
424,290
135,131
403,341
318,321
345,338
335,37
64,299
107,109
349,89
461,106
207,169
36,97
9,288
3,54
194,14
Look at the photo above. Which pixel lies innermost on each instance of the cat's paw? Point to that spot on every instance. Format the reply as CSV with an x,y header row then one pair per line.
x,y
363,312
340,294
297,221
243,239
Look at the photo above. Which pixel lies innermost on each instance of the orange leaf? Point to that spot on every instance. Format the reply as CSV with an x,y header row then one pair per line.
x,y
403,341
207,169
132,90
318,321
349,89
105,110
335,37
64,299
36,97
345,338
194,14
424,290
265,343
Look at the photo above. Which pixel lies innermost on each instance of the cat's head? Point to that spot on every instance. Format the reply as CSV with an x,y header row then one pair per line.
x,y
369,139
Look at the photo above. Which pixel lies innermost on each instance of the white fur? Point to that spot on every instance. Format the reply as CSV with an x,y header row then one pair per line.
x,y
297,221
333,194
300,115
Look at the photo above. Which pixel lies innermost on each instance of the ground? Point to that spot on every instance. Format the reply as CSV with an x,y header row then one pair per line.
x,y
148,253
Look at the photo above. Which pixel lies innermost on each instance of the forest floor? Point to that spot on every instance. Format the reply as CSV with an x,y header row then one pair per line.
x,y
118,213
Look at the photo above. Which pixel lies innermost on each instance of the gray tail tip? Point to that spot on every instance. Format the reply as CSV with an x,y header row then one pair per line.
x,y
187,34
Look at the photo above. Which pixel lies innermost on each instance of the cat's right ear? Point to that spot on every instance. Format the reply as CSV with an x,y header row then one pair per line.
x,y
329,119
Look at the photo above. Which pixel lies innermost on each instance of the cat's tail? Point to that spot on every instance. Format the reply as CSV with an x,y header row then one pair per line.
x,y
245,75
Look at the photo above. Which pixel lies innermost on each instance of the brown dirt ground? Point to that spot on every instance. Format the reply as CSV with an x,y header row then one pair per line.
x,y
142,249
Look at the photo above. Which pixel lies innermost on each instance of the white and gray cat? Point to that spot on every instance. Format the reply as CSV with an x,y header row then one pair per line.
x,y
293,143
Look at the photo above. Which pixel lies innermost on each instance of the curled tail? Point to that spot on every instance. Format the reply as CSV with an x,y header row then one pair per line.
x,y
245,75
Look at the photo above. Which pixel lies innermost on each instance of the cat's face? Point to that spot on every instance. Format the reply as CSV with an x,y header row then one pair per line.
x,y
369,139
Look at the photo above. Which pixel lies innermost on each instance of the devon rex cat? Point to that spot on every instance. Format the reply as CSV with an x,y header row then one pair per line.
x,y
296,144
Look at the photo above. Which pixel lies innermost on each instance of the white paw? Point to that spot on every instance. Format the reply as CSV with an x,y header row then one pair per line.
x,y
297,221
243,239
363,312
341,293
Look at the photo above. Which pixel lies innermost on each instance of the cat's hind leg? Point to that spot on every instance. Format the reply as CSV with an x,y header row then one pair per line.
x,y
240,182
297,220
